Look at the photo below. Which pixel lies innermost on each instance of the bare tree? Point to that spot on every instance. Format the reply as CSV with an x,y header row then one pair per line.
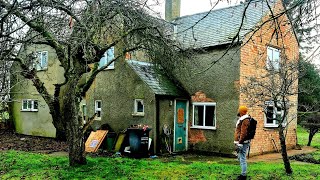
x,y
312,123
80,32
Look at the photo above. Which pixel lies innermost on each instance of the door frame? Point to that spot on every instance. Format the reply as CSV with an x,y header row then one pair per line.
x,y
175,122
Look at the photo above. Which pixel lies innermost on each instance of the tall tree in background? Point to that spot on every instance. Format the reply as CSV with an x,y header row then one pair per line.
x,y
80,32
309,87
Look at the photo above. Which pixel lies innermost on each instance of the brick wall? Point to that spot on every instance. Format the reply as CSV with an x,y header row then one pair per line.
x,y
253,62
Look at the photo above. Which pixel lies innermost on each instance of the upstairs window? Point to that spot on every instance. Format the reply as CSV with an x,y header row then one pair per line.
x,y
98,109
204,115
107,57
138,107
273,114
29,105
273,58
41,61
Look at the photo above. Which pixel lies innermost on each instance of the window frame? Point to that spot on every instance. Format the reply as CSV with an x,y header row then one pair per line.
x,y
270,64
204,104
96,109
135,108
105,59
276,112
32,103
39,63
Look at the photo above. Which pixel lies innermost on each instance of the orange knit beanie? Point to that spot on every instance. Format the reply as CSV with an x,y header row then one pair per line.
x,y
243,110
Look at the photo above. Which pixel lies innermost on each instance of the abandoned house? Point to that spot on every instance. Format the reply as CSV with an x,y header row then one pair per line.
x,y
200,113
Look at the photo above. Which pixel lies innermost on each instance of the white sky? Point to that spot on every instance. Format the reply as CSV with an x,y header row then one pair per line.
x,y
195,6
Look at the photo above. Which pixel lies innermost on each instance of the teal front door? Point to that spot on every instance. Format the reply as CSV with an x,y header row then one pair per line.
x,y
180,125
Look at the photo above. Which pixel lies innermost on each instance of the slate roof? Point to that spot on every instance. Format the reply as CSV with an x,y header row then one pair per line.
x,y
219,26
159,83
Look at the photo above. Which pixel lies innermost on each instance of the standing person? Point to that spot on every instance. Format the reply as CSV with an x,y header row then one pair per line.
x,y
242,144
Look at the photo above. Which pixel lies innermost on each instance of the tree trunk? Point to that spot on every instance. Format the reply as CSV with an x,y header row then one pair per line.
x,y
312,132
284,152
76,146
59,124
74,124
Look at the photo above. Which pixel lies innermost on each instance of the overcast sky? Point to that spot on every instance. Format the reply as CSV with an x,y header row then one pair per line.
x,y
195,6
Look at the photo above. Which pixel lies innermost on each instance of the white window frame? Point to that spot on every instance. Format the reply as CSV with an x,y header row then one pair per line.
x,y
97,109
30,105
272,63
135,108
204,104
275,113
39,64
107,57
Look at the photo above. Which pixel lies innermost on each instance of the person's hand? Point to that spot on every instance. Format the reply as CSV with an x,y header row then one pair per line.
x,y
240,145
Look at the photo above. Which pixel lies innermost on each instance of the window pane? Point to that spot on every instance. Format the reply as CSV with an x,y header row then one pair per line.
x,y
107,57
269,115
84,110
44,60
38,61
110,54
209,116
102,61
98,104
35,105
279,115
29,104
98,114
198,115
140,106
24,104
270,58
276,58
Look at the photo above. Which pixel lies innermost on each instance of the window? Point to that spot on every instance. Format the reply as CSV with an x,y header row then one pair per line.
x,y
29,105
273,114
84,111
107,57
98,109
204,115
41,61
138,107
273,59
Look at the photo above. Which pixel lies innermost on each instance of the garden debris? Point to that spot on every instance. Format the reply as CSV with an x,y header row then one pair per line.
x,y
305,158
95,139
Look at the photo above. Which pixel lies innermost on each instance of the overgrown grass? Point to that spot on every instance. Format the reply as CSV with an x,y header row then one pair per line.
x,y
23,165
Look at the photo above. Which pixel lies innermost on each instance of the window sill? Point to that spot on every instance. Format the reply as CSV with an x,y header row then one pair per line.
x,y
24,110
108,68
138,114
270,126
39,70
202,127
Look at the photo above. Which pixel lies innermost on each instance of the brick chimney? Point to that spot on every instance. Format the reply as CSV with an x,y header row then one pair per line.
x,y
172,10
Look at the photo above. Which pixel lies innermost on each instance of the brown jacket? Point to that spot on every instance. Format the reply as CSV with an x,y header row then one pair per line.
x,y
241,130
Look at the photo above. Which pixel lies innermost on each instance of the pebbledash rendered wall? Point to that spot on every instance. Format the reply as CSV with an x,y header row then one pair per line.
x,y
220,84
38,123
253,60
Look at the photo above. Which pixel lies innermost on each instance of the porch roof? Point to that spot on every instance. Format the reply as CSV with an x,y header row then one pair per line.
x,y
156,79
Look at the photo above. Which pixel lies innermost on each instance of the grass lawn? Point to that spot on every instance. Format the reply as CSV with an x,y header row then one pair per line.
x,y
24,165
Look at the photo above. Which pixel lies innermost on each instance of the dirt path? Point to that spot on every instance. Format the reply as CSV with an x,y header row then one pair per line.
x,y
278,157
